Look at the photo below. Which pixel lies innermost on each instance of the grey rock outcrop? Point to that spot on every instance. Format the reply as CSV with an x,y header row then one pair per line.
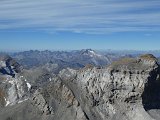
x,y
120,91
57,102
14,88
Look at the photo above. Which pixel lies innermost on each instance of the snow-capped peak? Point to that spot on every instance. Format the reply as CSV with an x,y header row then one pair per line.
x,y
90,53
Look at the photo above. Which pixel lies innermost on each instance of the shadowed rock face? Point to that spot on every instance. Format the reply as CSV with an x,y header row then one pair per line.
x,y
126,90
151,94
9,66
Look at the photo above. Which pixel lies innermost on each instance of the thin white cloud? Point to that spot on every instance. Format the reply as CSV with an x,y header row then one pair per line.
x,y
92,16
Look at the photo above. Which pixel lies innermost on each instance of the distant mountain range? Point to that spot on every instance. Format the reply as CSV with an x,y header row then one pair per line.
x,y
73,59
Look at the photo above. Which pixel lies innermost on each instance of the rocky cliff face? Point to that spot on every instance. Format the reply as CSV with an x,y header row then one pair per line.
x,y
13,87
125,90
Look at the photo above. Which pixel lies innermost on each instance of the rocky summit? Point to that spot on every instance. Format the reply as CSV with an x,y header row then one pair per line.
x,y
127,89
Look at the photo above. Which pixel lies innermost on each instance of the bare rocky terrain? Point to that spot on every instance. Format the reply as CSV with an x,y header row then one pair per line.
x,y
127,89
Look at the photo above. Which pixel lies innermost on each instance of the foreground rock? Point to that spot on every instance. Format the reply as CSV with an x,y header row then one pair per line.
x,y
14,88
123,91
126,90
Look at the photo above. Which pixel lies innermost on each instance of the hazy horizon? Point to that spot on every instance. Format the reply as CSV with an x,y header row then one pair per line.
x,y
96,50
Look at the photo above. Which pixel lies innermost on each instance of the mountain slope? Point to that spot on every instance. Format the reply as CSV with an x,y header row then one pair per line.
x,y
127,89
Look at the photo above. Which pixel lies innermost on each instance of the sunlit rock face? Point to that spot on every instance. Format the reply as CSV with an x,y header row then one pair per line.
x,y
123,90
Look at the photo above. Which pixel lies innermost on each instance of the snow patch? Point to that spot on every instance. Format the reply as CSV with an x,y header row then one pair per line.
x,y
7,102
91,51
2,63
28,85
22,101
92,54
21,76
11,82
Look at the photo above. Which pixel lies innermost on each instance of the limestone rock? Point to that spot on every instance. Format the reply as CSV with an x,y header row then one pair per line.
x,y
124,90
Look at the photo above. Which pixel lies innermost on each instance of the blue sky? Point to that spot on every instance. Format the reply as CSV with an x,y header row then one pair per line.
x,y
79,24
